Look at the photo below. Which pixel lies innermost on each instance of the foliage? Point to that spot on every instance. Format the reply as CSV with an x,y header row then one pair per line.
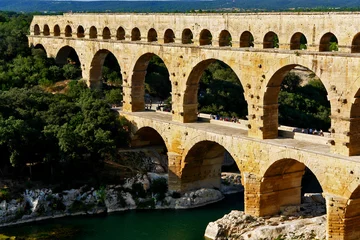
x,y
114,96
159,187
4,194
101,195
157,82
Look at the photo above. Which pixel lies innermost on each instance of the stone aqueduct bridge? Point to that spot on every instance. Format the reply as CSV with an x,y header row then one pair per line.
x,y
271,167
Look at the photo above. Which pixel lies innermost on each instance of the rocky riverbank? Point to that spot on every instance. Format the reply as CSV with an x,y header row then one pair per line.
x,y
148,191
307,221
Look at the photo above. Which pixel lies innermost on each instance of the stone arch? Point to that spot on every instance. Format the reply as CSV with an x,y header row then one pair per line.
x,y
66,52
40,46
354,129
355,45
80,32
352,216
147,136
56,30
152,35
96,68
190,100
205,37
106,33
187,36
225,39
36,29
93,32
271,40
169,36
271,107
328,43
201,166
246,40
138,81
68,31
120,34
135,34
281,185
298,41
46,30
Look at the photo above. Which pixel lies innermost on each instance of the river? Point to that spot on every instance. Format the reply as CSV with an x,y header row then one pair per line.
x,y
187,224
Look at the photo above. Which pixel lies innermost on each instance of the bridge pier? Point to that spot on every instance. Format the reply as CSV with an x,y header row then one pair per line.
x,y
174,172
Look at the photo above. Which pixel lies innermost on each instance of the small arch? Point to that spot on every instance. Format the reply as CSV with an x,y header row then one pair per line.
x,y
271,40
187,36
93,32
298,41
36,30
46,30
205,37
328,43
225,39
68,31
135,34
120,34
106,33
246,40
152,35
169,36
80,32
355,45
56,30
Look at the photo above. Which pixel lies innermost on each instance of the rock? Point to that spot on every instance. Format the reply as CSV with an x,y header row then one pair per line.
x,y
313,198
198,198
289,210
3,205
153,176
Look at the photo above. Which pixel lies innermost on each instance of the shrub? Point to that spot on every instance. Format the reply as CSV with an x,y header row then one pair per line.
x,y
101,195
4,194
159,187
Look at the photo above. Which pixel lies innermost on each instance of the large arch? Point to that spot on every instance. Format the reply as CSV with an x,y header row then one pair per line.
x,y
46,30
328,43
135,34
271,107
205,37
40,46
355,45
68,31
66,53
201,166
56,30
225,39
147,136
351,219
354,129
106,33
152,35
271,40
80,32
169,36
281,185
120,34
246,40
298,41
190,100
138,81
93,32
96,68
187,36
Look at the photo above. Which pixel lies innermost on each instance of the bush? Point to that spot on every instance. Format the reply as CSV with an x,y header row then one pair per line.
x,y
101,195
4,194
159,187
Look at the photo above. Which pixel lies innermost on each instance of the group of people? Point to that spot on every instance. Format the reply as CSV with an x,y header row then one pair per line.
x,y
313,132
226,119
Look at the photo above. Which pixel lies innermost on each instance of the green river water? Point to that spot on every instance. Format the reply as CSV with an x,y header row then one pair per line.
x,y
187,224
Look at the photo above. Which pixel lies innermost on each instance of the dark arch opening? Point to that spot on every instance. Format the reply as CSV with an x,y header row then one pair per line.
x,y
246,40
225,39
40,46
214,88
105,72
46,31
120,34
106,33
271,40
205,37
153,86
67,55
36,30
152,35
282,184
135,34
296,97
187,36
169,36
203,168
80,32
68,31
328,43
298,41
93,32
56,30
355,45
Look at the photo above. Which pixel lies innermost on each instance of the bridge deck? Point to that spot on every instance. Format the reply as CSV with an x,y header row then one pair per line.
x,y
323,149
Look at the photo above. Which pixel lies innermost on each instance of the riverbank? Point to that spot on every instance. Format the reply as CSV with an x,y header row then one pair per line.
x,y
141,192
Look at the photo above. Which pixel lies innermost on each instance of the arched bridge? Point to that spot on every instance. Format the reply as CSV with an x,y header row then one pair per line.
x,y
261,49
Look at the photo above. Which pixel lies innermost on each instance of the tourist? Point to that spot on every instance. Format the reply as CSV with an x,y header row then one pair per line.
x,y
321,133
